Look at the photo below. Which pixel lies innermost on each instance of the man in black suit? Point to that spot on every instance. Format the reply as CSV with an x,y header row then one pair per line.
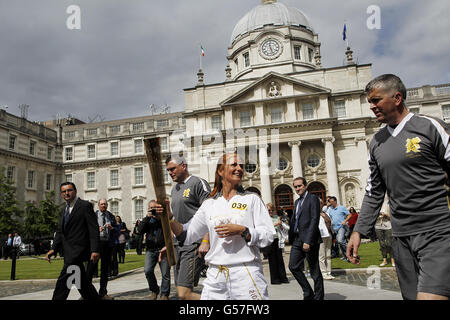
x,y
78,235
305,237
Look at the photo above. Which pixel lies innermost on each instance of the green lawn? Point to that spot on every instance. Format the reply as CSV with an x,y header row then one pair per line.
x,y
370,255
41,269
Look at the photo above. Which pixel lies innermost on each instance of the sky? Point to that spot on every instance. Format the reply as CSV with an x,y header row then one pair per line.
x,y
129,54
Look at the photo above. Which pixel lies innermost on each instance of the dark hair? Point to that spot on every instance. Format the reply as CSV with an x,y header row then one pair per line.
x,y
67,183
301,178
351,208
387,82
332,197
119,218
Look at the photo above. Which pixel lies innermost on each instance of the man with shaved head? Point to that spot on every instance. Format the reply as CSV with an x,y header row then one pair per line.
x,y
107,224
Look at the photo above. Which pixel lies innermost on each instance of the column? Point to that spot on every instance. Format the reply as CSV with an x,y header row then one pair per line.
x,y
259,114
330,163
291,114
296,159
266,190
361,144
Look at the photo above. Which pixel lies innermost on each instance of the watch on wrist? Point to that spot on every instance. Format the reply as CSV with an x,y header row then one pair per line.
x,y
245,234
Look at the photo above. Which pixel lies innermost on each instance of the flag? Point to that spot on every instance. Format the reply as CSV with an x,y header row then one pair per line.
x,y
344,32
203,51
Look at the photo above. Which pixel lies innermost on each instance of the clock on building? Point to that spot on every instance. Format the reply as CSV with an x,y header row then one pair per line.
x,y
270,49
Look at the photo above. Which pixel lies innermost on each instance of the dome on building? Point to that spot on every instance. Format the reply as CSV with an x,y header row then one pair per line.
x,y
270,13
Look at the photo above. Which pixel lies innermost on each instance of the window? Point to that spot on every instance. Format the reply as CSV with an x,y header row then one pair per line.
x,y
446,111
138,148
282,164
32,148
162,123
250,167
310,54
48,182
246,59
139,208
91,151
92,132
313,161
114,178
31,177
49,153
115,148
12,142
308,111
10,174
69,154
276,114
216,122
69,177
414,110
236,62
245,118
139,176
114,207
163,142
166,176
91,180
339,109
297,53
69,134
114,129
138,127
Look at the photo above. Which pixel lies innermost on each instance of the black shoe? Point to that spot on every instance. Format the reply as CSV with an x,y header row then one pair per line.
x,y
285,281
275,282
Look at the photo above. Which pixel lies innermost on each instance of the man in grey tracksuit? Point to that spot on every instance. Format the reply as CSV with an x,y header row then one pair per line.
x,y
409,159
187,196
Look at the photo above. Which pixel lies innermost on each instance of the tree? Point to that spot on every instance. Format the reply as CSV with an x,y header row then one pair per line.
x,y
41,220
10,212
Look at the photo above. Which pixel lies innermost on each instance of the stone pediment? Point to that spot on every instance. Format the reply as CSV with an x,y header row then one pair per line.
x,y
274,86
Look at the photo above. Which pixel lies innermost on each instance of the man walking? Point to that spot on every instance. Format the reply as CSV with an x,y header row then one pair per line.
x,y
154,240
409,159
78,236
187,196
17,241
305,237
339,217
107,226
9,245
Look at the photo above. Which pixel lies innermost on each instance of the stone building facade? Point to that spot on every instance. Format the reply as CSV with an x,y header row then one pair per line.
x,y
278,106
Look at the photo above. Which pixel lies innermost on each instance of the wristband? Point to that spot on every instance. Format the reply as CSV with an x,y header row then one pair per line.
x,y
205,240
172,219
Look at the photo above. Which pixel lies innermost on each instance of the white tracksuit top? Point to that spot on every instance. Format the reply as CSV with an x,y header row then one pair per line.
x,y
245,209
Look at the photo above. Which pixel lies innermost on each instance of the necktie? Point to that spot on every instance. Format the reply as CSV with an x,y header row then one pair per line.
x,y
66,216
298,213
105,230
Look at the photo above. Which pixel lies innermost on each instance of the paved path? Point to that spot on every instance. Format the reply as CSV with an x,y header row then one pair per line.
x,y
351,284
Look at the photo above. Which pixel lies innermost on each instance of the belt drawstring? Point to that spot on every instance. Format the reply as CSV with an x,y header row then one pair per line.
x,y
225,270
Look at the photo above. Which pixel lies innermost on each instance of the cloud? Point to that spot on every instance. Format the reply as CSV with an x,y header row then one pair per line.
x,y
130,54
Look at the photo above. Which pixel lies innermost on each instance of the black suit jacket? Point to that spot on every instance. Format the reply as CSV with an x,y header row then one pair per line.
x,y
308,226
81,236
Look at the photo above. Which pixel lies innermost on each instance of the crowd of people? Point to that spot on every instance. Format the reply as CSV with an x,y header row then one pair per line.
x,y
226,228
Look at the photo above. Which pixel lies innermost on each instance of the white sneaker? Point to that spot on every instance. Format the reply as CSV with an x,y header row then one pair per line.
x,y
327,277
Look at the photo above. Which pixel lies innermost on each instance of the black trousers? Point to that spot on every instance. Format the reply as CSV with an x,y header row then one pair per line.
x,y
76,274
114,269
297,265
276,264
105,256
